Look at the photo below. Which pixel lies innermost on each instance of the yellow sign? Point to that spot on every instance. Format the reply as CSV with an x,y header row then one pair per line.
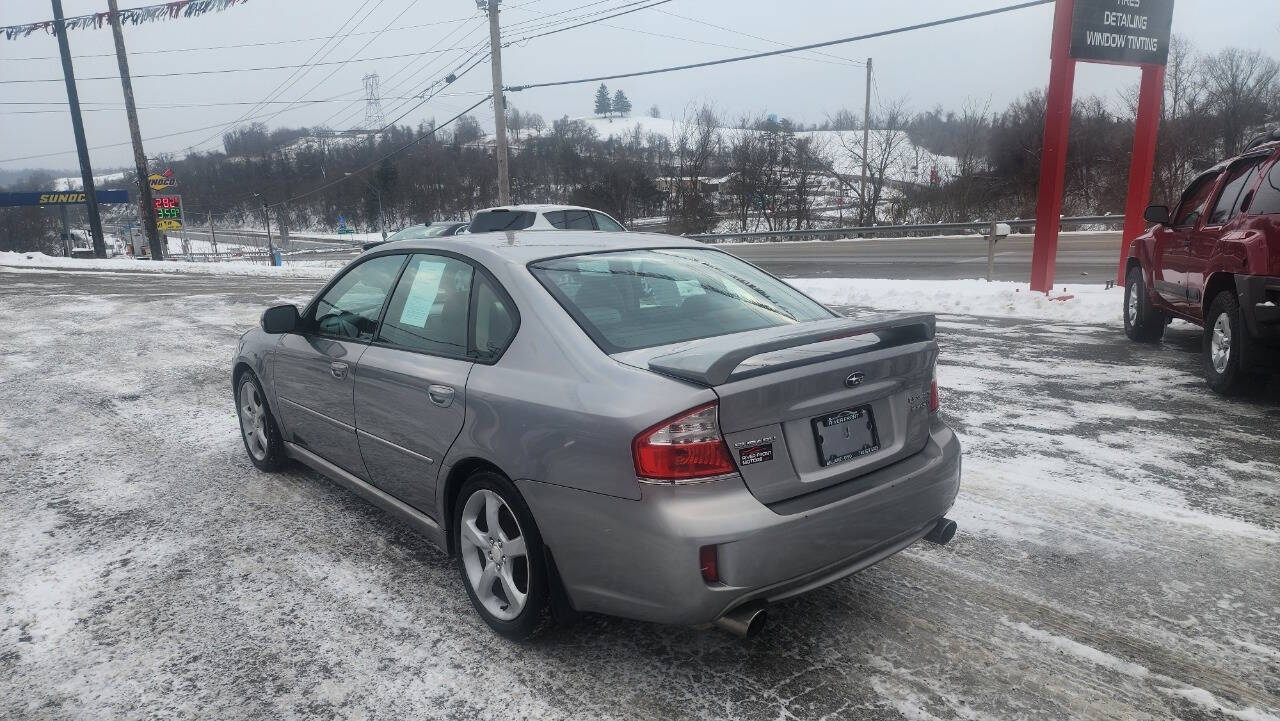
x,y
166,224
61,198
162,181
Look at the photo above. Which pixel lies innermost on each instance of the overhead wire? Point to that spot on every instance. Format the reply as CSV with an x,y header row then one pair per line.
x,y
783,51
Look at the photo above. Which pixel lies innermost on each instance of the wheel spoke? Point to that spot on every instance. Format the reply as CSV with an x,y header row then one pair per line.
x,y
474,536
513,546
484,587
514,597
491,505
261,436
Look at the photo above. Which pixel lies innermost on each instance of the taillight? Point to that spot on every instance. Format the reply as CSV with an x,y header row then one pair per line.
x,y
686,447
933,391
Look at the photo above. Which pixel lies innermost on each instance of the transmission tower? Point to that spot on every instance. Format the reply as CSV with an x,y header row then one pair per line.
x,y
374,119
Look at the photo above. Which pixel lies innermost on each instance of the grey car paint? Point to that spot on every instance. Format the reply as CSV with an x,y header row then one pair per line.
x,y
557,415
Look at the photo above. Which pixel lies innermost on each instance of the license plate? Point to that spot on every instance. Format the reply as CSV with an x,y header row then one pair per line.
x,y
845,435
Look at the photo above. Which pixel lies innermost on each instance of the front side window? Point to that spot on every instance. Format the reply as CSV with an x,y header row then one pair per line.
x,y
1267,200
1193,201
428,311
350,308
604,222
1239,177
642,298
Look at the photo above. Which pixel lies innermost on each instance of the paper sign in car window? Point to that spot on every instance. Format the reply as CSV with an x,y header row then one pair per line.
x,y
422,294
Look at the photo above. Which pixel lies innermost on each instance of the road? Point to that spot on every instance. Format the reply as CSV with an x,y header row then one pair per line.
x,y
1118,554
1082,257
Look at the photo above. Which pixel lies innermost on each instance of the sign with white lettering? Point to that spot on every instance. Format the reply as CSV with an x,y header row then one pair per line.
x,y
1131,32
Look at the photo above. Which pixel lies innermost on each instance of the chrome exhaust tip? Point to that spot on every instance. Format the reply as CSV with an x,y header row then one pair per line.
x,y
745,621
942,532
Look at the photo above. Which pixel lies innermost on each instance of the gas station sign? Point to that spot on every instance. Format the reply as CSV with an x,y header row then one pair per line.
x,y
161,182
1132,32
168,210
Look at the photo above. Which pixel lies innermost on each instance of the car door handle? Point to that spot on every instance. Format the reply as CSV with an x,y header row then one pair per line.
x,y
440,395
338,370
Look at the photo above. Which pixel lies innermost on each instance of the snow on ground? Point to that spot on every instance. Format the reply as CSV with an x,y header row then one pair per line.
x,y
1071,304
834,142
1118,554
77,182
32,261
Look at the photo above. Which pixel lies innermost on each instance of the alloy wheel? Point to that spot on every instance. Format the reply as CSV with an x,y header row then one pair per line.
x,y
1220,343
1131,308
253,420
494,554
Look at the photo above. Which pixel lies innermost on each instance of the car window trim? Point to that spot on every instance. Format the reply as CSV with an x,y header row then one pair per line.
x,y
1226,173
307,314
1213,177
476,267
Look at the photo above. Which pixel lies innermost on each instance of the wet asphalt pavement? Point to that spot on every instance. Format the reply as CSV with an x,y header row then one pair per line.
x,y
1118,554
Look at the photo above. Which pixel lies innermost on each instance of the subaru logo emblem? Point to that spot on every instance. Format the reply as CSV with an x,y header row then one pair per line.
x,y
854,379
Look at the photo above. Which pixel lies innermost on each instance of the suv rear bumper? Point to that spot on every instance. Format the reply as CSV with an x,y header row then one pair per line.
x,y
640,559
1259,297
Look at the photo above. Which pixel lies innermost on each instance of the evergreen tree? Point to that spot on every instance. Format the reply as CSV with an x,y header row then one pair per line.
x,y
621,105
603,105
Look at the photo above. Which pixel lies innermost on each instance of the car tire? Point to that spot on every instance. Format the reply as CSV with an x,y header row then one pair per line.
x,y
510,590
258,429
1143,322
1224,340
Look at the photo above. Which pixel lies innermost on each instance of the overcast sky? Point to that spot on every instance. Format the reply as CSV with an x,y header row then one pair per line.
x,y
989,60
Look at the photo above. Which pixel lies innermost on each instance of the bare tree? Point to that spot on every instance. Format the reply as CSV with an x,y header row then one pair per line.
x,y
887,156
697,142
1239,85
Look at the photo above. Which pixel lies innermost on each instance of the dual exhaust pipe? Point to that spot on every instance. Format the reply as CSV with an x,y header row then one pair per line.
x,y
748,620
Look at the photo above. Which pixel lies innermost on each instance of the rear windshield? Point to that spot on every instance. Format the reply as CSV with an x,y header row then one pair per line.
x,y
413,232
492,220
642,298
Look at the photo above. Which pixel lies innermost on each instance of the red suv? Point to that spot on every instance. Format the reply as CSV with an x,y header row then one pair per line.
x,y
1215,261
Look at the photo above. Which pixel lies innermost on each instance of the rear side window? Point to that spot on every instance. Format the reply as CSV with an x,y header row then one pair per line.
x,y
428,311
643,298
1239,177
495,220
570,219
1267,200
350,308
604,222
493,320
1193,201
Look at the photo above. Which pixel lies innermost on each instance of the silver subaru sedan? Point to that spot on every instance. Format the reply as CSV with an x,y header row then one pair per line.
x,y
620,423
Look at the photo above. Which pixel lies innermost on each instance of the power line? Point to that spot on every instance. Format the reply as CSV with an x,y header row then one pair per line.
x,y
587,22
794,49
223,71
848,61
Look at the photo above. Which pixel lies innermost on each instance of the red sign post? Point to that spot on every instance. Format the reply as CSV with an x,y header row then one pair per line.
x,y
1125,32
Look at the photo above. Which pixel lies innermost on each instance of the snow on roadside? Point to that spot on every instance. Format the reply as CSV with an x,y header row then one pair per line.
x,y
40,261
1091,304
1086,304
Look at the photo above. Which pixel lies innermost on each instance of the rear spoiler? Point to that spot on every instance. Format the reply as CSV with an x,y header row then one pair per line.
x,y
713,361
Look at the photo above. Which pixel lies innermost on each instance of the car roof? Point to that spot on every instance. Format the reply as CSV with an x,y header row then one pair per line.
x,y
521,247
537,208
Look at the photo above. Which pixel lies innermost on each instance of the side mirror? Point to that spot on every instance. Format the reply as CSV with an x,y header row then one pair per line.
x,y
1158,214
281,319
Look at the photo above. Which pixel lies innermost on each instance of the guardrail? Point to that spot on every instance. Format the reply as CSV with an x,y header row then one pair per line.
x,y
875,230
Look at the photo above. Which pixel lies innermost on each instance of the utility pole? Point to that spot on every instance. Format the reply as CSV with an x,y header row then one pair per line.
x,y
213,239
866,143
77,125
271,247
146,204
499,104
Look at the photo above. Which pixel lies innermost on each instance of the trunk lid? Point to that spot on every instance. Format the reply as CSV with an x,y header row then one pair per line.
x,y
807,406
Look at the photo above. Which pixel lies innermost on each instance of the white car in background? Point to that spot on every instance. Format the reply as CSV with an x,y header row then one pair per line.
x,y
542,217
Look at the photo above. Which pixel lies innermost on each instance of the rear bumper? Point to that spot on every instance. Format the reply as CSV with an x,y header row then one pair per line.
x,y
639,559
1259,298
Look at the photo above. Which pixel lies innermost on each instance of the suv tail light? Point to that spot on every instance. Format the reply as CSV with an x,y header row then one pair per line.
x,y
933,391
687,447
